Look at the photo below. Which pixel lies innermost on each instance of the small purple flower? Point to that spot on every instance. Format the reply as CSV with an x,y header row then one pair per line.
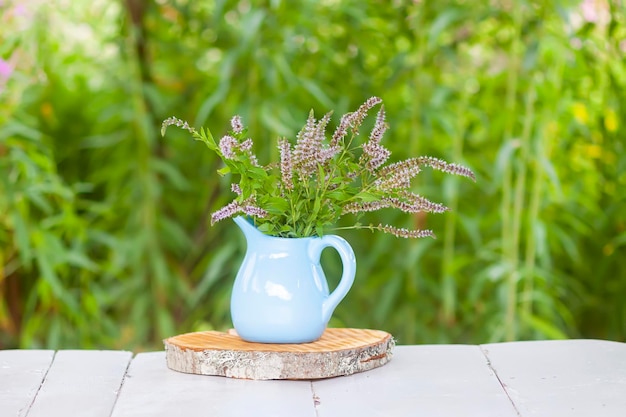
x,y
589,10
228,144
357,117
398,175
420,203
365,206
375,155
6,69
246,145
309,150
254,211
236,124
443,166
235,189
405,233
327,153
177,122
341,130
306,145
20,10
226,212
286,169
380,127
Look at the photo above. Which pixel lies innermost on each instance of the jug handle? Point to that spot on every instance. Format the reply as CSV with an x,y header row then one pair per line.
x,y
349,270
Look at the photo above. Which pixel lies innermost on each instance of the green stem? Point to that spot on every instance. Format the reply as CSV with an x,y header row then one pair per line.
x,y
145,132
534,206
509,250
530,254
448,281
520,188
419,39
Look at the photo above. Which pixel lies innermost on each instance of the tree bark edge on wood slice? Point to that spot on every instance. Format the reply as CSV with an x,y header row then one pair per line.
x,y
338,352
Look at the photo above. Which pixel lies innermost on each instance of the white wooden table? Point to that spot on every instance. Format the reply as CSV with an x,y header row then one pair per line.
x,y
584,378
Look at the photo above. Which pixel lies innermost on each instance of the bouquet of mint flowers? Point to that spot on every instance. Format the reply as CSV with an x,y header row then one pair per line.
x,y
320,179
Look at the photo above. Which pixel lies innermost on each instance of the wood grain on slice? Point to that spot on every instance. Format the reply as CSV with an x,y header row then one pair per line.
x,y
338,352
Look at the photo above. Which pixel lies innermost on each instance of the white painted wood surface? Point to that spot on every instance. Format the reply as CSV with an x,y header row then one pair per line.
x,y
574,378
81,383
21,375
545,378
151,389
429,380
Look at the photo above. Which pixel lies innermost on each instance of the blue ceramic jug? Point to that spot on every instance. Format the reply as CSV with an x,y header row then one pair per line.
x,y
280,293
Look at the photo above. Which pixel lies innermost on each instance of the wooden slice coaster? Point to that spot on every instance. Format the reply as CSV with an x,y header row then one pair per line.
x,y
338,352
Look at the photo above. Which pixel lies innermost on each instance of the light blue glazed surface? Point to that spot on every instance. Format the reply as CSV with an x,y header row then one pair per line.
x,y
280,293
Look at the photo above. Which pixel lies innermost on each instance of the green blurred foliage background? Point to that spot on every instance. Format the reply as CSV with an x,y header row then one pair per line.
x,y
104,235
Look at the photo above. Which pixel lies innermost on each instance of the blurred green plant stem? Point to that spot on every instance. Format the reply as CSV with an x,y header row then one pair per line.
x,y
104,226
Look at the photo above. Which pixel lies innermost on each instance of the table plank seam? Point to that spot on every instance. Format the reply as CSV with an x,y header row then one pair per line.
x,y
316,400
121,386
485,352
41,384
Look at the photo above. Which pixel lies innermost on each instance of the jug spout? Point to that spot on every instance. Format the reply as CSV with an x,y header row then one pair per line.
x,y
246,227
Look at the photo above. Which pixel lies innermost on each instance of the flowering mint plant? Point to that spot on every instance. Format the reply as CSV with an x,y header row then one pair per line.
x,y
320,179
